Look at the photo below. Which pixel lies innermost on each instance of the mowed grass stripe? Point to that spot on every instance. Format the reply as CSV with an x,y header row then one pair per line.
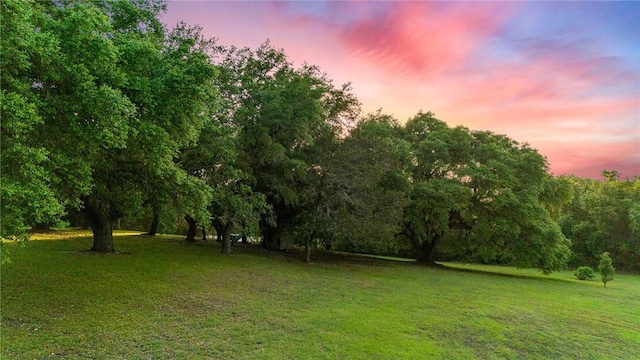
x,y
162,298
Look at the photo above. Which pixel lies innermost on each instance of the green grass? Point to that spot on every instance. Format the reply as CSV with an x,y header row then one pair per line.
x,y
161,298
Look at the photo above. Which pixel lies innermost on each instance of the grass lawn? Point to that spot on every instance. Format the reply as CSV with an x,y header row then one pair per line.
x,y
161,298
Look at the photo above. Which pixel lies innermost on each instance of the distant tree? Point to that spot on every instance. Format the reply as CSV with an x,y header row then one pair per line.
x,y
577,223
603,216
483,185
611,175
438,196
606,268
357,192
279,113
213,159
236,206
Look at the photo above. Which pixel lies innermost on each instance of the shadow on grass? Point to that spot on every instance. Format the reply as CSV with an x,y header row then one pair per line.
x,y
296,254
320,256
98,253
538,277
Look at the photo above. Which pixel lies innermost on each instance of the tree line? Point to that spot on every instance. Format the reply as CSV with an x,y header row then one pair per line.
x,y
109,114
602,216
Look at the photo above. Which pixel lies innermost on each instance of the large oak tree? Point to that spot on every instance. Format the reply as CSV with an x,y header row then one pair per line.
x,y
484,188
114,97
357,188
280,113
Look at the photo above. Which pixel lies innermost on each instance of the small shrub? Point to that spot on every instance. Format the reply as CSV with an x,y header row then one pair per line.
x,y
606,268
584,273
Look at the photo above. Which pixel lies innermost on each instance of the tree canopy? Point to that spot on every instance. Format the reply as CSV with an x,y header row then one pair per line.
x,y
114,96
481,193
603,216
280,114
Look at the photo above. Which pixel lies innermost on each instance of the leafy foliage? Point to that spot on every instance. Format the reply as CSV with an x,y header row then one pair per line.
x,y
603,216
479,192
357,200
584,273
606,268
27,190
280,113
108,76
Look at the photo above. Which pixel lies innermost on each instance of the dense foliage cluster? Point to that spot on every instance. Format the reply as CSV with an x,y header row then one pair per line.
x,y
97,100
108,113
584,273
606,268
603,216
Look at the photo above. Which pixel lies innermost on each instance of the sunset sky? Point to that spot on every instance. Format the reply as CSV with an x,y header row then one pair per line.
x,y
562,76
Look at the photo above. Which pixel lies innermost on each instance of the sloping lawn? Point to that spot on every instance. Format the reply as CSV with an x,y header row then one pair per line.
x,y
161,298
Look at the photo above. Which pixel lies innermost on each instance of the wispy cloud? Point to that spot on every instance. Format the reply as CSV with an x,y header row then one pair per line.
x,y
421,38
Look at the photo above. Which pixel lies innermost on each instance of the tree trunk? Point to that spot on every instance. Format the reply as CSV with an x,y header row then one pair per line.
x,y
416,241
204,234
271,237
226,239
153,230
191,233
244,237
102,237
307,249
272,230
219,230
101,223
427,250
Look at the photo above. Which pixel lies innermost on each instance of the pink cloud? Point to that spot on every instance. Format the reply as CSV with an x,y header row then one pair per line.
x,y
421,37
570,159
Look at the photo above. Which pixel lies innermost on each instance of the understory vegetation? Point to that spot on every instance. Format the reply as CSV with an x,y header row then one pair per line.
x,y
161,297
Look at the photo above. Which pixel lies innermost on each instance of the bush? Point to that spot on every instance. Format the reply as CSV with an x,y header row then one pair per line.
x,y
606,268
584,273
